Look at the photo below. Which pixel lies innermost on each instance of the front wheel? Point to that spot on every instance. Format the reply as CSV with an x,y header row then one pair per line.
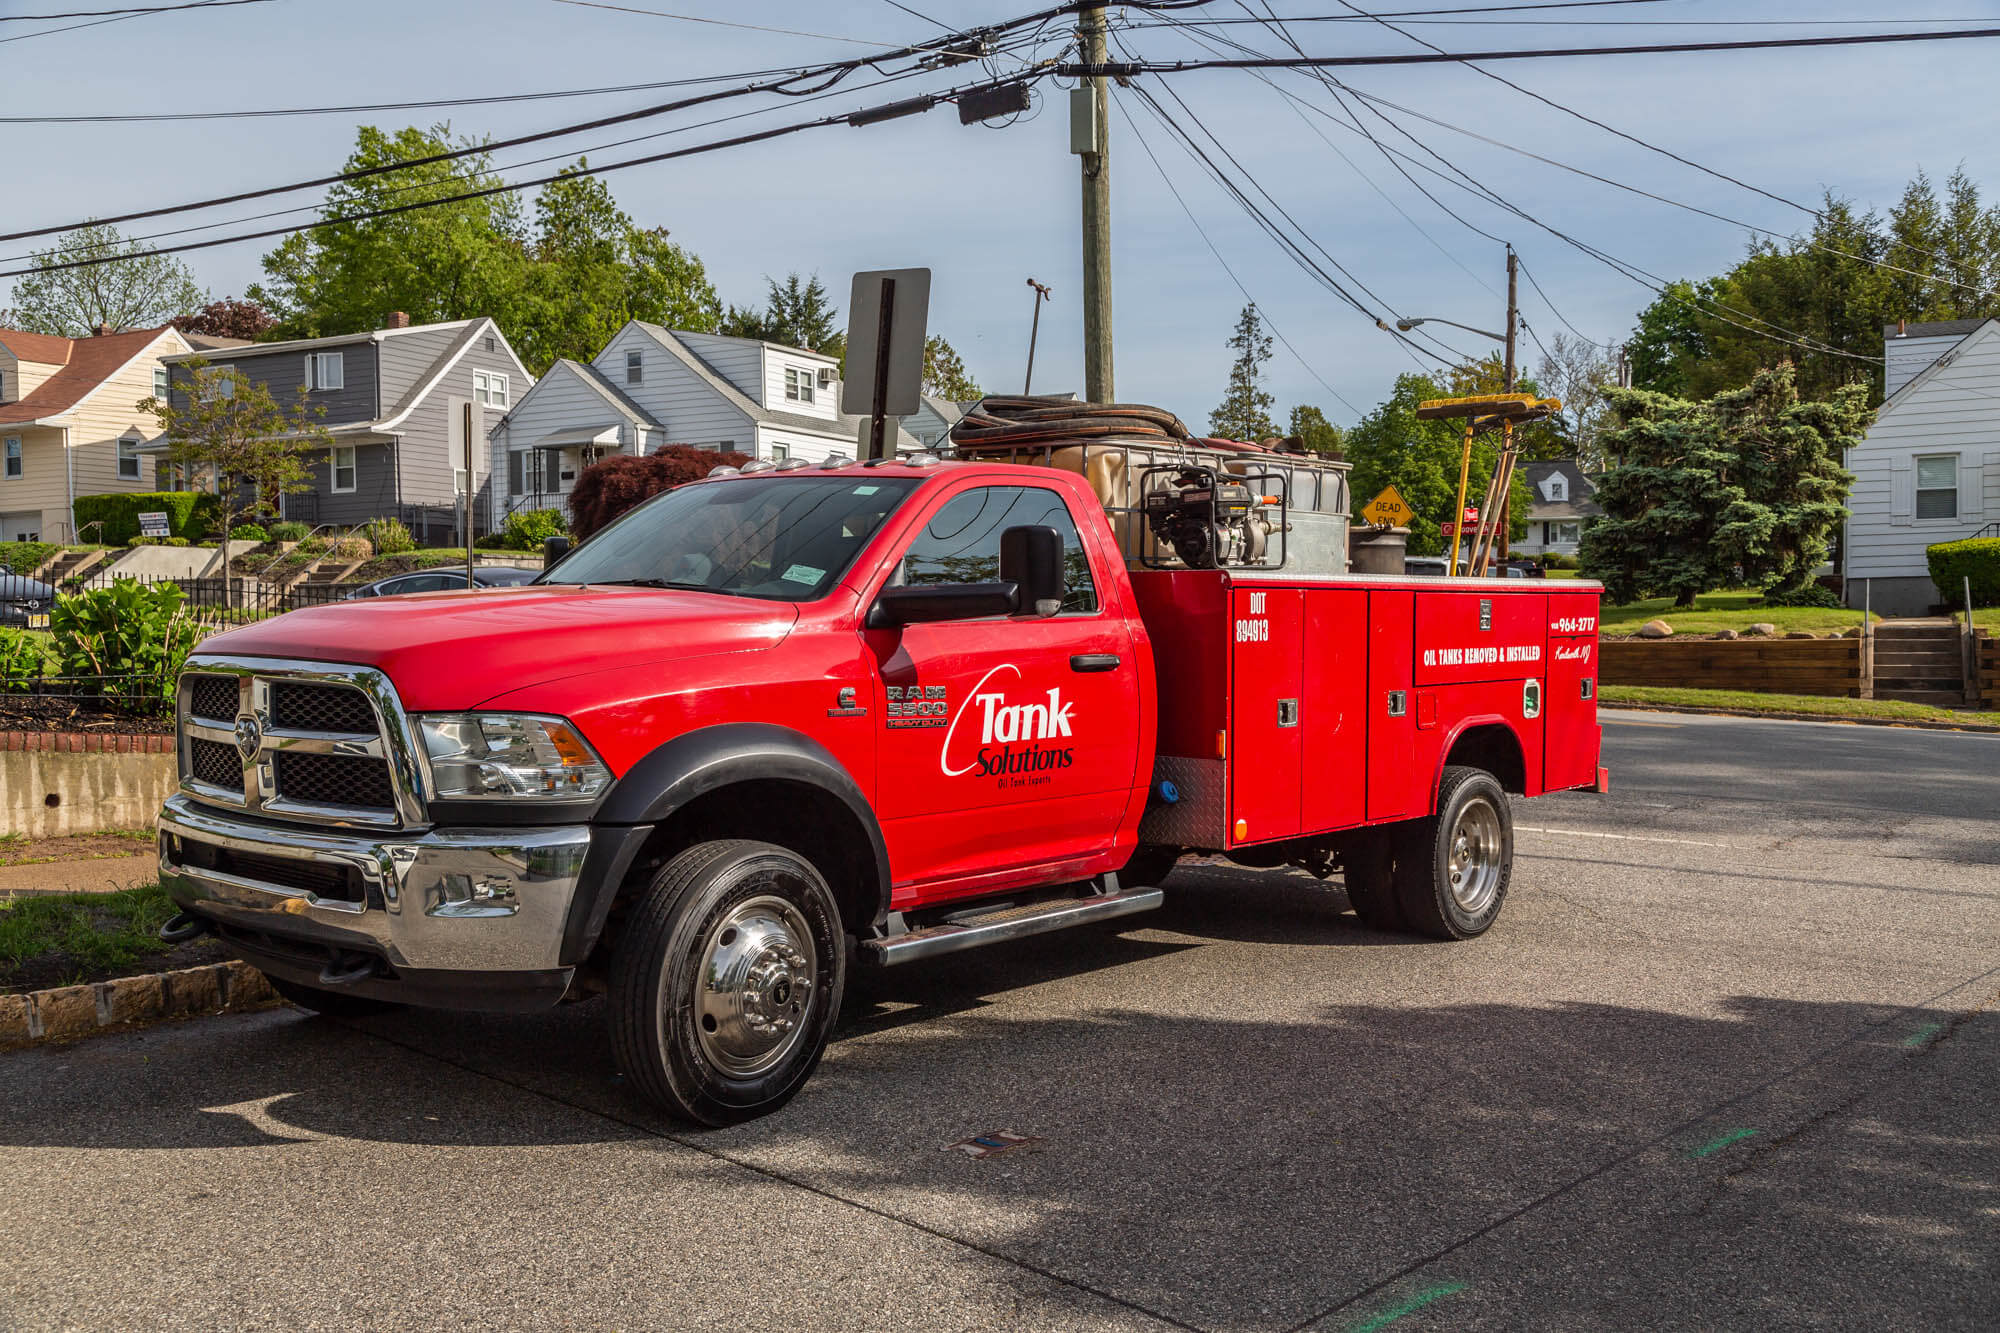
x,y
1452,869
727,980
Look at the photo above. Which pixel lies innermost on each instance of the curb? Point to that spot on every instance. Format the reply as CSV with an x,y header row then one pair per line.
x,y
64,1013
1910,723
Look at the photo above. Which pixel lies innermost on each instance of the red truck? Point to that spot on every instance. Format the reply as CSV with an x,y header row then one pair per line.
x,y
771,725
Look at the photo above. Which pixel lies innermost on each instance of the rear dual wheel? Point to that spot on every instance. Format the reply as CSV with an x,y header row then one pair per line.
x,y
727,980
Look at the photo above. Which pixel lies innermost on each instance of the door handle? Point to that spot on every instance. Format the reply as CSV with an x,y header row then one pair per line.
x,y
1093,662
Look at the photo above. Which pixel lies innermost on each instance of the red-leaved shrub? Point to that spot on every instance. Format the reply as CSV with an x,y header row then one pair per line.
x,y
605,490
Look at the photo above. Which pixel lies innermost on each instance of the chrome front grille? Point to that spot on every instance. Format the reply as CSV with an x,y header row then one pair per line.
x,y
299,706
317,742
335,779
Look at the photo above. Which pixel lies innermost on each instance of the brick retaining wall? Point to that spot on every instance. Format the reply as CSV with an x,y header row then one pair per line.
x,y
1766,666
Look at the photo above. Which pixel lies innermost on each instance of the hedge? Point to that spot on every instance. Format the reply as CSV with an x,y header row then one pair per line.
x,y
24,557
1976,558
189,514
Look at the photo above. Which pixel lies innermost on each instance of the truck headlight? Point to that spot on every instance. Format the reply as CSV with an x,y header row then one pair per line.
x,y
509,756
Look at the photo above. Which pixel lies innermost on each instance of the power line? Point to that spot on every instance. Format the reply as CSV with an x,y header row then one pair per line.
x,y
130,11
829,74
1128,69
897,4
722,23
1201,231
865,116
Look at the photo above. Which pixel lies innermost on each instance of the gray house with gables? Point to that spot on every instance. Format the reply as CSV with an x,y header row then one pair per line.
x,y
395,403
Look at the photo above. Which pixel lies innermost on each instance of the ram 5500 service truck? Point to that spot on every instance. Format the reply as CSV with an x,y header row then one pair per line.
x,y
771,725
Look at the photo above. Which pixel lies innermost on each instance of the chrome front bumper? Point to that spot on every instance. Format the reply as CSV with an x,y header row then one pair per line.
x,y
473,901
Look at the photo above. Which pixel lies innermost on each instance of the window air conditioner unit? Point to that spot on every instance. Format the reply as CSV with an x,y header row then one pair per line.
x,y
825,376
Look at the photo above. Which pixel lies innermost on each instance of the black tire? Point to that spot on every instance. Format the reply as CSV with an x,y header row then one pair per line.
x,y
1453,868
743,914
1368,867
1149,867
332,1003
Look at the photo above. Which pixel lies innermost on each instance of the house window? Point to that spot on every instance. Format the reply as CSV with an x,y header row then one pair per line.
x,y
1556,488
1561,534
489,387
1937,486
635,367
11,450
798,385
128,458
162,382
225,381
343,468
524,472
326,370
780,452
3,386
489,342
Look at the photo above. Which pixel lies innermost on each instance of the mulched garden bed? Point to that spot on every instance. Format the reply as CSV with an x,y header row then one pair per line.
x,y
30,712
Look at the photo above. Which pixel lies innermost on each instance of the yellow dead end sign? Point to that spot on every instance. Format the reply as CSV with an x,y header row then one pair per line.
x,y
1389,509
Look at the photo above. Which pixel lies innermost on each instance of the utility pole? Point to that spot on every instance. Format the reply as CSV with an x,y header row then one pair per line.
x,y
1090,122
1513,315
1034,330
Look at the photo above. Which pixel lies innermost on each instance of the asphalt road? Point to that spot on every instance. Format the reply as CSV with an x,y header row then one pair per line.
x,y
1730,1059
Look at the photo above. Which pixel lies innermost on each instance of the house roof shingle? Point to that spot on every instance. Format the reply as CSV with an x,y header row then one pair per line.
x,y
1579,503
1947,328
41,348
86,363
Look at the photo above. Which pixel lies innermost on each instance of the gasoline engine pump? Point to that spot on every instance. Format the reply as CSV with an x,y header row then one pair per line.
x,y
1213,520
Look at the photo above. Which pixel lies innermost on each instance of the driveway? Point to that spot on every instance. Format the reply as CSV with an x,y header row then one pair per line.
x,y
1728,1059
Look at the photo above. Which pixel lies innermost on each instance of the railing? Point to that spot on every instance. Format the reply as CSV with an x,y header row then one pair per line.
x,y
213,599
1990,530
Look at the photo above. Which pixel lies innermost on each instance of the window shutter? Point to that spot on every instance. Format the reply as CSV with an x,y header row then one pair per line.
x,y
516,474
1902,491
1972,483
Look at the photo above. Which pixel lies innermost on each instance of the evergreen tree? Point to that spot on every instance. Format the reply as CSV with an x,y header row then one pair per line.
x,y
1314,431
1750,478
1245,411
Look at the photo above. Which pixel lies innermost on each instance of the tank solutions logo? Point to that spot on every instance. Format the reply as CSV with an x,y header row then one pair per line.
x,y
1020,736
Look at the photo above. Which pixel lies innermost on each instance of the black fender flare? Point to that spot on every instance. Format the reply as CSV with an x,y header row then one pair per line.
x,y
698,762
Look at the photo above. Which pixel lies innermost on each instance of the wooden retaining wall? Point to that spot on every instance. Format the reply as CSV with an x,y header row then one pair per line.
x,y
1767,666
1987,656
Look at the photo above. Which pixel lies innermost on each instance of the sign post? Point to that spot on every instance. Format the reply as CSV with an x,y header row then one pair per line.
x,y
886,313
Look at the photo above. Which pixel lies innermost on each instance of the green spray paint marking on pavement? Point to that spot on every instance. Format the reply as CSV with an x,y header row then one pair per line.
x,y
1717,1145
1923,1034
1411,1306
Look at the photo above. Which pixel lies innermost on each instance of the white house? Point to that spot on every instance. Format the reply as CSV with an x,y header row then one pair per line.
x,y
1562,504
652,386
1929,469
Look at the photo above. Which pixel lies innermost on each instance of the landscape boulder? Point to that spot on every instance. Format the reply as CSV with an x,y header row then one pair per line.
x,y
1726,634
1656,629
1762,629
1802,634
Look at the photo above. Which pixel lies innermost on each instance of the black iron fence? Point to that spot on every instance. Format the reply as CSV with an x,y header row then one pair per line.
x,y
235,601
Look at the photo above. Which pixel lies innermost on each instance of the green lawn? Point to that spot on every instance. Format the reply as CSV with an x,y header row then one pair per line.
x,y
60,938
1986,618
1742,701
1725,610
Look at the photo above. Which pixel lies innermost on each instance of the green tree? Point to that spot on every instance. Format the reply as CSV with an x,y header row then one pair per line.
x,y
234,427
1391,447
141,291
1577,373
1245,410
591,269
797,312
1750,479
1314,431
446,261
945,375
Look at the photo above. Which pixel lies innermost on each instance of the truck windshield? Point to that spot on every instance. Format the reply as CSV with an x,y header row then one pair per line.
x,y
782,538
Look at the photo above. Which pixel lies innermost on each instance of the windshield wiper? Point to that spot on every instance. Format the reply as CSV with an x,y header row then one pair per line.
x,y
657,583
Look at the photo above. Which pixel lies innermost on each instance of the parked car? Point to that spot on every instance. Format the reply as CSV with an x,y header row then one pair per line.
x,y
25,602
1427,565
437,580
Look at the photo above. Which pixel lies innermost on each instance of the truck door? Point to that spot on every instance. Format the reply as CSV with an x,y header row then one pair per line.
x,y
1570,743
1335,710
1265,738
1009,742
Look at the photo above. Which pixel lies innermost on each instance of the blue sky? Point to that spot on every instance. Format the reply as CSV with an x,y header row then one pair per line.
x,y
987,208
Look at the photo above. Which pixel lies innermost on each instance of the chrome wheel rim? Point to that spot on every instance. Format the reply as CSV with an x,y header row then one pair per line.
x,y
1472,863
755,986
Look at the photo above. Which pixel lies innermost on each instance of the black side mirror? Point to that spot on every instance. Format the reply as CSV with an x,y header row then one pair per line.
x,y
1031,558
553,549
